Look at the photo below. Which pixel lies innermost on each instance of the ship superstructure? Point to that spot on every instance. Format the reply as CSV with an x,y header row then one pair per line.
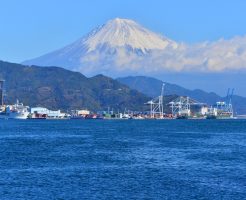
x,y
16,111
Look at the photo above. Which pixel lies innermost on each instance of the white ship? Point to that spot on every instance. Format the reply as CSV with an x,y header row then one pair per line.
x,y
16,111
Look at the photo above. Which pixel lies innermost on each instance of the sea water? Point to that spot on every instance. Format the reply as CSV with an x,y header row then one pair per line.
x,y
128,159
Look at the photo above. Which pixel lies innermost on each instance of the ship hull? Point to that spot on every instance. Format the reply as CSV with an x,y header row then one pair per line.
x,y
14,115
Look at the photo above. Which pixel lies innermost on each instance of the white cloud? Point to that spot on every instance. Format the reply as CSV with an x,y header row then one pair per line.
x,y
222,55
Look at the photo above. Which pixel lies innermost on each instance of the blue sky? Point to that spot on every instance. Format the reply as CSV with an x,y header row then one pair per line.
x,y
31,28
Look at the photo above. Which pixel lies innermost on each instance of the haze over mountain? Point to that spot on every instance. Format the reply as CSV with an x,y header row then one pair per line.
x,y
123,47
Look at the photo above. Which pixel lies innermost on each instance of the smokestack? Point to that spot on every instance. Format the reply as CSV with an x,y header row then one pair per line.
x,y
1,92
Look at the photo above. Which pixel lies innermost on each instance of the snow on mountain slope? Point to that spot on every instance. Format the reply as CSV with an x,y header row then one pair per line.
x,y
123,47
116,42
124,32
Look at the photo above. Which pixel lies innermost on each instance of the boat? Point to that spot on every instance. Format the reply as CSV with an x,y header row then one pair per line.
x,y
182,117
16,111
37,116
211,117
77,117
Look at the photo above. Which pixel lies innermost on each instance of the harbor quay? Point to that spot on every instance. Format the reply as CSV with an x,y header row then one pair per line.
x,y
182,107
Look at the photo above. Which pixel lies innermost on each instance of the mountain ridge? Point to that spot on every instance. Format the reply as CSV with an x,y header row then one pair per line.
x,y
58,88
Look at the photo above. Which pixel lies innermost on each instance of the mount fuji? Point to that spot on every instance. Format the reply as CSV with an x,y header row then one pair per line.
x,y
117,46
122,47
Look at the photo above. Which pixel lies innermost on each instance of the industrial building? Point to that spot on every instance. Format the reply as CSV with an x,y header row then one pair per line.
x,y
48,113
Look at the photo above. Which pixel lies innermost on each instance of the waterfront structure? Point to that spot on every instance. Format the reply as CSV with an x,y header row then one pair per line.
x,y
225,108
49,113
82,112
79,114
204,110
156,105
181,106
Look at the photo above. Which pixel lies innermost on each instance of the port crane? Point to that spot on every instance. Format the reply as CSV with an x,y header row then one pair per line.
x,y
225,107
181,106
156,105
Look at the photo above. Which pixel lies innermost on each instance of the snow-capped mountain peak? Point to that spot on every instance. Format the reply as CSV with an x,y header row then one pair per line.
x,y
108,45
122,46
124,32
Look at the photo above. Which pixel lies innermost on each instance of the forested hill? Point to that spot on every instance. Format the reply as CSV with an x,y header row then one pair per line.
x,y
57,88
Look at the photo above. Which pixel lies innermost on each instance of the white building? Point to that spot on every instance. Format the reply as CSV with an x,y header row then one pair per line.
x,y
204,110
213,111
49,113
83,112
